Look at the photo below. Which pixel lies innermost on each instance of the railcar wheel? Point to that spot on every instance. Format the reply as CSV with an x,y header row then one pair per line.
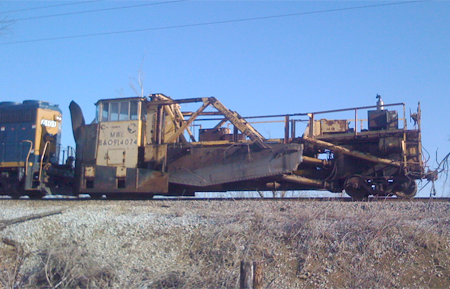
x,y
140,196
36,195
357,194
409,192
130,196
13,188
96,196
116,196
353,187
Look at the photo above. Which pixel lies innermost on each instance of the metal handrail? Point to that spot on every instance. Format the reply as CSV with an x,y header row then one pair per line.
x,y
42,159
28,155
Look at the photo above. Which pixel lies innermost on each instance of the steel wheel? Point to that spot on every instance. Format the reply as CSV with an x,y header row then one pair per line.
x,y
354,188
36,195
409,192
13,188
96,196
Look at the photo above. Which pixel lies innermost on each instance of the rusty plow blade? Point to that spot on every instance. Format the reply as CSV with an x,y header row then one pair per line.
x,y
221,165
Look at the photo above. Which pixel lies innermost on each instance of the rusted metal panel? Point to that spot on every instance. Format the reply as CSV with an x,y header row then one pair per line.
x,y
106,180
155,153
151,125
87,152
152,181
235,137
213,134
333,126
204,166
389,145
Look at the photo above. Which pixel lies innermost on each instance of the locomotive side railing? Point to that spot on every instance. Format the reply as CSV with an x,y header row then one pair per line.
x,y
312,117
290,121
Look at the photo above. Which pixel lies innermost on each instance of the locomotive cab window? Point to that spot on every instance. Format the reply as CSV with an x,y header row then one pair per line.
x,y
118,110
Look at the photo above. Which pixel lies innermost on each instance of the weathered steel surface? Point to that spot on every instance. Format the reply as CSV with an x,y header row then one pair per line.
x,y
205,166
333,126
240,123
304,181
104,179
354,153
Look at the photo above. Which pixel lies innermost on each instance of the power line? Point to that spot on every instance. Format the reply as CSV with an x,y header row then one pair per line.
x,y
99,10
214,22
49,6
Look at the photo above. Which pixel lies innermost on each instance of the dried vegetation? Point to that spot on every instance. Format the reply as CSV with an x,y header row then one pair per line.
x,y
200,245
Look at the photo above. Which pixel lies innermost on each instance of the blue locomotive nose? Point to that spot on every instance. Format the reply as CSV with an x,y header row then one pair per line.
x,y
30,135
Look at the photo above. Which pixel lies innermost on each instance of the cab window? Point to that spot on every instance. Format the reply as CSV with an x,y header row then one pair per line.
x,y
119,111
134,110
105,112
114,112
124,113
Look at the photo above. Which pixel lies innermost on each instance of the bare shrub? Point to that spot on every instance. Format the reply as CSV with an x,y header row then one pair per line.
x,y
66,265
12,258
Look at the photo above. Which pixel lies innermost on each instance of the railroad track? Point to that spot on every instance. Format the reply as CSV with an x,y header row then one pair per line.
x,y
255,199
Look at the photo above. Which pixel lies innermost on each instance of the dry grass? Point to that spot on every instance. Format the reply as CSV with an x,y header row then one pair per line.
x,y
66,265
12,257
303,245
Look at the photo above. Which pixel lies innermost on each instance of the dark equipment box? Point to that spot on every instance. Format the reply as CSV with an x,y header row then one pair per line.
x,y
383,119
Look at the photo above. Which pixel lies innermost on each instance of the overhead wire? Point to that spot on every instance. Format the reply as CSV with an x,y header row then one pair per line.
x,y
49,6
214,22
99,10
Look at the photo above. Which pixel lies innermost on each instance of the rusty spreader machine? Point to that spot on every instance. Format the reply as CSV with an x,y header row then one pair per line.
x,y
145,146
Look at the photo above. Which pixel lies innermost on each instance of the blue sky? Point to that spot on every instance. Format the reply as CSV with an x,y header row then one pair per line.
x,y
329,57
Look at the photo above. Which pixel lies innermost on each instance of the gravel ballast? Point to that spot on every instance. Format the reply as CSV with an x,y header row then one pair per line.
x,y
199,244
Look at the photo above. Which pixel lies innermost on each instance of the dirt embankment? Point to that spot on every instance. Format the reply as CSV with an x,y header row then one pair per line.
x,y
161,244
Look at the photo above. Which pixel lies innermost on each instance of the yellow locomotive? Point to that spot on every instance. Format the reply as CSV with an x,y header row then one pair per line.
x,y
144,146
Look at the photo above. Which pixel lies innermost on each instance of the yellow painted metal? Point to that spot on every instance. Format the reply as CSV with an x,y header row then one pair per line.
x,y
28,156
173,119
314,161
216,142
48,125
118,143
186,124
304,181
12,164
121,172
116,157
240,123
89,172
41,164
